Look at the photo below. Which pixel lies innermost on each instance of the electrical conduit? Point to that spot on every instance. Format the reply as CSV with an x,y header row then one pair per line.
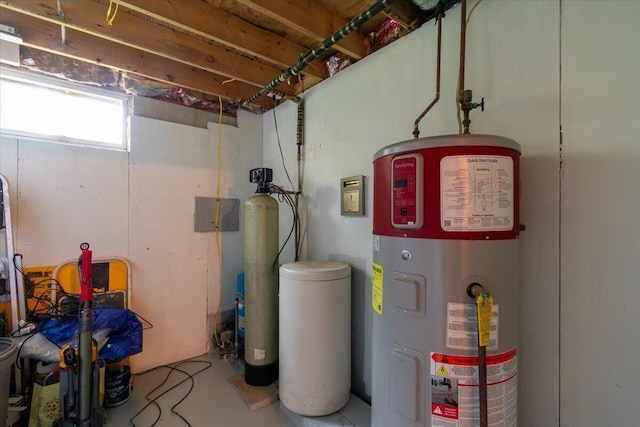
x,y
355,23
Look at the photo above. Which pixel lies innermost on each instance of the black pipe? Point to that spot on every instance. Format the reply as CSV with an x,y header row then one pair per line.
x,y
355,23
299,141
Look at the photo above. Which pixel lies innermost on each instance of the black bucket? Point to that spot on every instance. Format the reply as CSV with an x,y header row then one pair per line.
x,y
117,385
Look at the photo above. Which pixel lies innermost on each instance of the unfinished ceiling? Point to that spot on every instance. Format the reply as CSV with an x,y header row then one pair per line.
x,y
195,51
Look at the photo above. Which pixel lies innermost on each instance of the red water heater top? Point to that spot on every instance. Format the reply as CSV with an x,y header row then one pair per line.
x,y
462,187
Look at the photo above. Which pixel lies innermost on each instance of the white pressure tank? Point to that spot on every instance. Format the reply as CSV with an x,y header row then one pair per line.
x,y
315,336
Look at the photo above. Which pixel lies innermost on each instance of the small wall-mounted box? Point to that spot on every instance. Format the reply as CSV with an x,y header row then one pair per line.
x,y
352,196
10,42
205,214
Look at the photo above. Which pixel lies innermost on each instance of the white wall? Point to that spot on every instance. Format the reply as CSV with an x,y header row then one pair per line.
x,y
140,205
169,165
65,195
600,201
574,327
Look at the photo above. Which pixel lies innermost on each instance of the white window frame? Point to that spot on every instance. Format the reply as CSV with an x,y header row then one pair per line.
x,y
80,90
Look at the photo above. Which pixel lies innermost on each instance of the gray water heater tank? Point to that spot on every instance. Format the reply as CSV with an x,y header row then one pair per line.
x,y
445,217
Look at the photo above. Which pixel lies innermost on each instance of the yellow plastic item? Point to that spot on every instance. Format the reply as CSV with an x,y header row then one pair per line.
x,y
94,354
377,279
485,307
67,276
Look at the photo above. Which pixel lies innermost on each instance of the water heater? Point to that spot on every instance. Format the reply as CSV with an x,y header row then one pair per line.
x,y
445,218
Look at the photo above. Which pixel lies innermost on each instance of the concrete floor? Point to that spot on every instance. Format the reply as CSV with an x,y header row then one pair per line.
x,y
213,401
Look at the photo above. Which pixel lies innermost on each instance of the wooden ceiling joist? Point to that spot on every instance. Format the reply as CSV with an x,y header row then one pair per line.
x,y
81,46
225,28
197,45
145,36
404,13
312,20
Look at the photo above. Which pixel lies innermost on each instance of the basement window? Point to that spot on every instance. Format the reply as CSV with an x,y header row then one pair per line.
x,y
44,108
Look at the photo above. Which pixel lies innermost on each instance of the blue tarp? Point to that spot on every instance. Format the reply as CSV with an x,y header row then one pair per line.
x,y
125,337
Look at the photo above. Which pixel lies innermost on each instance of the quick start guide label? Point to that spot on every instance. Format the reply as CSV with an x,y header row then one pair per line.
x,y
477,193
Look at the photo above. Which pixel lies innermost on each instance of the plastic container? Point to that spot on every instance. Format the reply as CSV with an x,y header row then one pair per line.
x,y
8,351
117,385
315,337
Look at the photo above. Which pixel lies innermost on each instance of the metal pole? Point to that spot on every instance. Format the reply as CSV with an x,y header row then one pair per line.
x,y
84,338
482,382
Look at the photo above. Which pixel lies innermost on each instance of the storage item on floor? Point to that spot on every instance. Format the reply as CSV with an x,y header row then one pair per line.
x,y
117,385
315,337
8,351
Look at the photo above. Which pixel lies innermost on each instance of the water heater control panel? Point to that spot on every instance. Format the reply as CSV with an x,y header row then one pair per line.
x,y
407,209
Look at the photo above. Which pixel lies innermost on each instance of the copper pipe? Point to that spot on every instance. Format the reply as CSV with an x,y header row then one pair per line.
x,y
416,131
464,96
463,37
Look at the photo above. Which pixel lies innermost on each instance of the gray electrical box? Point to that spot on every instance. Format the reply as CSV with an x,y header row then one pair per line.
x,y
352,196
205,215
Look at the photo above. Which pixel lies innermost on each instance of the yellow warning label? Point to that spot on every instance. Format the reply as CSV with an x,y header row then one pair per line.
x,y
376,288
443,371
485,306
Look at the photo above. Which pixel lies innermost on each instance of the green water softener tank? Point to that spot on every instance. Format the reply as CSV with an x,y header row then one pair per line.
x,y
261,284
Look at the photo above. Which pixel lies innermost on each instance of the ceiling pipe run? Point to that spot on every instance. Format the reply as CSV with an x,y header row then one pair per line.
x,y
278,95
355,23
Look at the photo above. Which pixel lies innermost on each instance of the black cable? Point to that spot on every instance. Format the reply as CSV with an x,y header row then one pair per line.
x,y
44,308
154,400
145,323
54,310
31,334
172,368
283,195
275,122
30,288
51,308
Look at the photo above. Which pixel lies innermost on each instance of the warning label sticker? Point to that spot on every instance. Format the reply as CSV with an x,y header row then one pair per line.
x,y
444,398
376,288
477,193
462,327
455,397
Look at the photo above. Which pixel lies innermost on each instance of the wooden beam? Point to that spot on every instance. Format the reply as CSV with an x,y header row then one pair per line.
x,y
306,84
225,28
405,13
80,46
89,17
311,20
